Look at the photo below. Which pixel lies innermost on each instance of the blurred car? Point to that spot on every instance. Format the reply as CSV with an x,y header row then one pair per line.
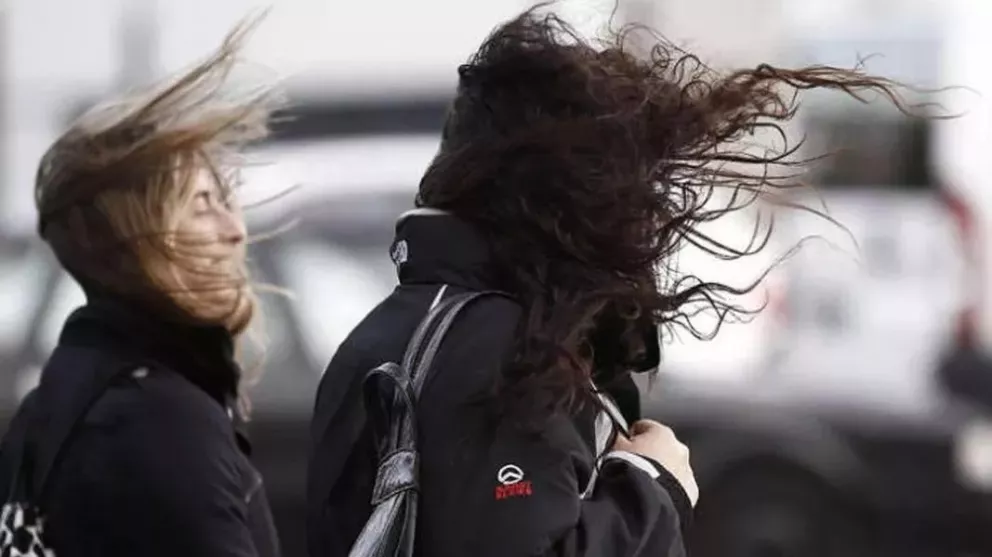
x,y
848,436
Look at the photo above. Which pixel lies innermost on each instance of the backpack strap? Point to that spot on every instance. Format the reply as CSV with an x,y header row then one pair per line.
x,y
392,392
436,311
15,449
44,441
420,354
406,381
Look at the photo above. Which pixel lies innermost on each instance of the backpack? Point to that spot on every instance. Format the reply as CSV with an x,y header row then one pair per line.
x,y
391,393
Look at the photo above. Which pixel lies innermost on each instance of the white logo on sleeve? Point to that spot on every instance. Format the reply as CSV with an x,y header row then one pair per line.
x,y
510,474
512,484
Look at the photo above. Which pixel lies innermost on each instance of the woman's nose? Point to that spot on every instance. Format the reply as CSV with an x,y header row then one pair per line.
x,y
233,228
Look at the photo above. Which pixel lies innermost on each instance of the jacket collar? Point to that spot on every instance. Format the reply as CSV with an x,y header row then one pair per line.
x,y
432,246
96,341
435,247
202,354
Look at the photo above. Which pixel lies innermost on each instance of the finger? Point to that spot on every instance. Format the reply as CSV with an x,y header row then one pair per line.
x,y
621,443
642,426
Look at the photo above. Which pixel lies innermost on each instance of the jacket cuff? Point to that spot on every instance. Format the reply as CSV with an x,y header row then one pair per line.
x,y
658,473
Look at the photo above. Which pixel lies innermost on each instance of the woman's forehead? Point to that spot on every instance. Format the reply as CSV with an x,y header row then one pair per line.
x,y
206,178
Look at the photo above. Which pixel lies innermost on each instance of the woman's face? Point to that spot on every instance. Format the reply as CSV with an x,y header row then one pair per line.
x,y
210,227
209,244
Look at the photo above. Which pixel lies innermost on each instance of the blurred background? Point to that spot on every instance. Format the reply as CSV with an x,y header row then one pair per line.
x,y
852,417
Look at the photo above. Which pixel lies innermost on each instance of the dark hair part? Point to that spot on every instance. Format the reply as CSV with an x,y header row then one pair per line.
x,y
588,166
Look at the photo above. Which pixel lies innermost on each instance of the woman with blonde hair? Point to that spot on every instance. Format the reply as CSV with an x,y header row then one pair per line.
x,y
133,442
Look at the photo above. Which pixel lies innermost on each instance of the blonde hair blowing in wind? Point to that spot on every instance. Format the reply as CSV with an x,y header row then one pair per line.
x,y
108,190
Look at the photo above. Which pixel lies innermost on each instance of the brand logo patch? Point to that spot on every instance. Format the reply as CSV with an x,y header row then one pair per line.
x,y
512,483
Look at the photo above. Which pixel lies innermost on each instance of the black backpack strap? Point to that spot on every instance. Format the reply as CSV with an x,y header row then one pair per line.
x,y
420,353
409,379
391,395
392,391
15,449
43,442
436,313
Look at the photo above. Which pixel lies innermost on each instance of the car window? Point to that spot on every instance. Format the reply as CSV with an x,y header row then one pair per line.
x,y
21,293
64,298
332,290
873,152
60,302
269,333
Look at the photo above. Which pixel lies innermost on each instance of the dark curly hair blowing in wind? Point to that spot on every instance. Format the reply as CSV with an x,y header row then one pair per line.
x,y
588,167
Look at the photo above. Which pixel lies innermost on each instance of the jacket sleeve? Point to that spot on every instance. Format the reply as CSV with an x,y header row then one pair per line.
x,y
182,488
525,497
501,491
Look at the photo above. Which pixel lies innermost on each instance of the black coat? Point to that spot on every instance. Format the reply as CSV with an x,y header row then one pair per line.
x,y
469,502
158,465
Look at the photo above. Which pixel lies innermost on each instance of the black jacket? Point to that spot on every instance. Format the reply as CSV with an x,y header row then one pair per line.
x,y
470,501
159,463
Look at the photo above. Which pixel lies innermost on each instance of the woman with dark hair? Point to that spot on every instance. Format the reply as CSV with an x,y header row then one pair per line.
x,y
133,443
568,176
